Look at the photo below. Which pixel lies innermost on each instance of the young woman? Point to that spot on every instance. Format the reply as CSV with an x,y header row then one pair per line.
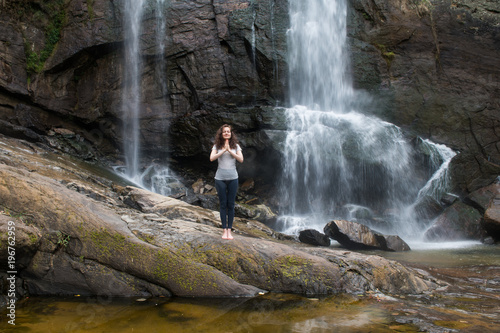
x,y
227,151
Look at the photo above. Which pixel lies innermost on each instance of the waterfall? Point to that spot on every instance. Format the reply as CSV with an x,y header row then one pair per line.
x,y
161,25
337,162
437,185
131,95
254,17
273,43
157,178
440,159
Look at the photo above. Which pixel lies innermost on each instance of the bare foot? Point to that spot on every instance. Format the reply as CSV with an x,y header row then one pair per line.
x,y
224,235
229,236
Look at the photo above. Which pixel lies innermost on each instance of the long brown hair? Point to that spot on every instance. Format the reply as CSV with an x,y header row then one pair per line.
x,y
219,140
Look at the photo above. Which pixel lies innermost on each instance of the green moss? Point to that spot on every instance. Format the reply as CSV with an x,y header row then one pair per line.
x,y
386,54
3,237
457,325
33,238
57,17
90,8
292,267
183,274
108,243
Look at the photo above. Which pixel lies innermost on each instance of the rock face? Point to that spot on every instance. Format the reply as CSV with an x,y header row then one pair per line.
x,y
356,236
80,233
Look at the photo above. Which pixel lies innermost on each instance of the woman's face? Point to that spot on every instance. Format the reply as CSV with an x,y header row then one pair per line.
x,y
226,133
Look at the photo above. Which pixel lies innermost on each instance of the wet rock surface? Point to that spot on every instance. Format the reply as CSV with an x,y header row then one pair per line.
x,y
469,304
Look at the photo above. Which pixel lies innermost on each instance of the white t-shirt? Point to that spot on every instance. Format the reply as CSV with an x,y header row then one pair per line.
x,y
226,169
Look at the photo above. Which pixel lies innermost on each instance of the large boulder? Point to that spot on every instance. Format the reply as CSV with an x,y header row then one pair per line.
x,y
492,219
258,212
395,243
457,222
357,236
482,198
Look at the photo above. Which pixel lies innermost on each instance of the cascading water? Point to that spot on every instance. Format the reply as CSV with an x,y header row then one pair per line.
x,y
131,96
440,159
317,55
254,16
161,25
157,178
339,163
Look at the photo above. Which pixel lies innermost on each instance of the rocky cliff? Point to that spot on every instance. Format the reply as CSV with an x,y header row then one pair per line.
x,y
431,67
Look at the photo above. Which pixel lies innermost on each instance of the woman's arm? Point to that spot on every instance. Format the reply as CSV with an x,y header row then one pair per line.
x,y
215,155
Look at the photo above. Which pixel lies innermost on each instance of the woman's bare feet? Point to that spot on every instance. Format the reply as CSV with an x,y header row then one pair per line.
x,y
229,236
224,235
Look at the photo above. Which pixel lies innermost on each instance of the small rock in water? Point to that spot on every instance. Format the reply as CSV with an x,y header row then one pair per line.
x,y
353,235
314,237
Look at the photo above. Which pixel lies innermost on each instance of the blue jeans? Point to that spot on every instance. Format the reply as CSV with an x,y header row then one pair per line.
x,y
226,189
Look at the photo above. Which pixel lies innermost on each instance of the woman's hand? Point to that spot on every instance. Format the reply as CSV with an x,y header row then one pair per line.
x,y
215,155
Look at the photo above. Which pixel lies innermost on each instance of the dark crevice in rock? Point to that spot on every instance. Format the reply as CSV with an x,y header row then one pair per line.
x,y
85,57
476,140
